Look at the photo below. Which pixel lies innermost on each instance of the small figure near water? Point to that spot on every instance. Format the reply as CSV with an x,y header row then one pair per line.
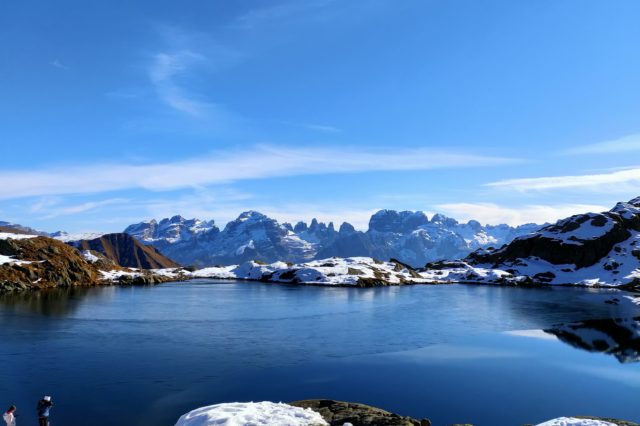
x,y
44,406
9,416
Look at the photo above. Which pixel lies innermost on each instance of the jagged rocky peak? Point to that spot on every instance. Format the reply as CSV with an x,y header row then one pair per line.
x,y
398,222
300,227
252,220
440,219
316,226
251,215
635,202
287,226
346,229
173,229
474,225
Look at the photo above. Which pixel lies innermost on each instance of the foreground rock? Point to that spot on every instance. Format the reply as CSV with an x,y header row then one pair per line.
x,y
337,413
31,262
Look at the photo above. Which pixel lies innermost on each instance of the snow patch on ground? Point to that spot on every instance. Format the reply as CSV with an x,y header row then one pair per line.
x,y
11,261
251,414
11,236
332,271
90,257
114,275
571,421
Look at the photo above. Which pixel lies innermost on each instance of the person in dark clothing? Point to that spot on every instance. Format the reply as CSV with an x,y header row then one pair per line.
x,y
44,405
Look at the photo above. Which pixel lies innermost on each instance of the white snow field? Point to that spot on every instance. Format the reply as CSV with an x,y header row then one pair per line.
x,y
11,236
11,261
571,421
251,414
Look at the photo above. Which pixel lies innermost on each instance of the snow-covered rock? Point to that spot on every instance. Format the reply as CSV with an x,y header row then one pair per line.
x,y
251,414
90,256
572,421
357,271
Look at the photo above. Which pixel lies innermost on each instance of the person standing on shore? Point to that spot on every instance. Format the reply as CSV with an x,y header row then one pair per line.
x,y
9,417
44,405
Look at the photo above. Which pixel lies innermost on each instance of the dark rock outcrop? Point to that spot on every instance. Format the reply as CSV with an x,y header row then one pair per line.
x,y
337,413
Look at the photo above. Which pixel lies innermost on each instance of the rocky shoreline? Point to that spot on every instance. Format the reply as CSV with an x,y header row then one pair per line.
x,y
328,412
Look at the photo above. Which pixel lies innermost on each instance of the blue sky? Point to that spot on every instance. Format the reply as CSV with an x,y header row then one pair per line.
x,y
115,112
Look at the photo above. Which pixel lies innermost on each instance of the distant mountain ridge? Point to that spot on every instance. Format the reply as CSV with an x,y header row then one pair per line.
x,y
409,237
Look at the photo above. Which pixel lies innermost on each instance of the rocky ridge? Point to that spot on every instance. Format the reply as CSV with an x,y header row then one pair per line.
x,y
32,262
592,249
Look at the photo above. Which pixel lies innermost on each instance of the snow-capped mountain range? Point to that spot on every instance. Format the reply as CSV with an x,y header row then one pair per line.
x,y
411,237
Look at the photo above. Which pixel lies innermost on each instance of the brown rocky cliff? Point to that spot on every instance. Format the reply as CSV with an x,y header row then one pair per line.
x,y
51,264
126,251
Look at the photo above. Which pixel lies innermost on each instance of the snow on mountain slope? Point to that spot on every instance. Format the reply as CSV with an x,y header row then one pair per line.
x,y
407,236
171,230
593,249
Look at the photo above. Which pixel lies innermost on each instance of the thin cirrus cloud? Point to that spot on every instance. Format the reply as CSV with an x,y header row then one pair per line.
x,y
627,143
618,181
257,162
163,72
82,207
495,214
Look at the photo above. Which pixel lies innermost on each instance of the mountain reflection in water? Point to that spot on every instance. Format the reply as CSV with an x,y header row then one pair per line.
x,y
619,337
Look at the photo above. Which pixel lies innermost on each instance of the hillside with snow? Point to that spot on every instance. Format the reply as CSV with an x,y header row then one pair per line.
x,y
411,237
593,249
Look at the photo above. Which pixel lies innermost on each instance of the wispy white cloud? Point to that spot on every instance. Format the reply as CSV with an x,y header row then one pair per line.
x,y
56,63
315,127
256,162
258,17
627,143
164,69
495,214
616,181
53,212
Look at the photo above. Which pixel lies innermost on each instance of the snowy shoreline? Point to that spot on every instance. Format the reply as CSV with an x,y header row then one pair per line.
x,y
329,412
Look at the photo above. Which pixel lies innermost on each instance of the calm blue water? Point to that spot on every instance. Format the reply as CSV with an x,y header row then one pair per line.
x,y
145,355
